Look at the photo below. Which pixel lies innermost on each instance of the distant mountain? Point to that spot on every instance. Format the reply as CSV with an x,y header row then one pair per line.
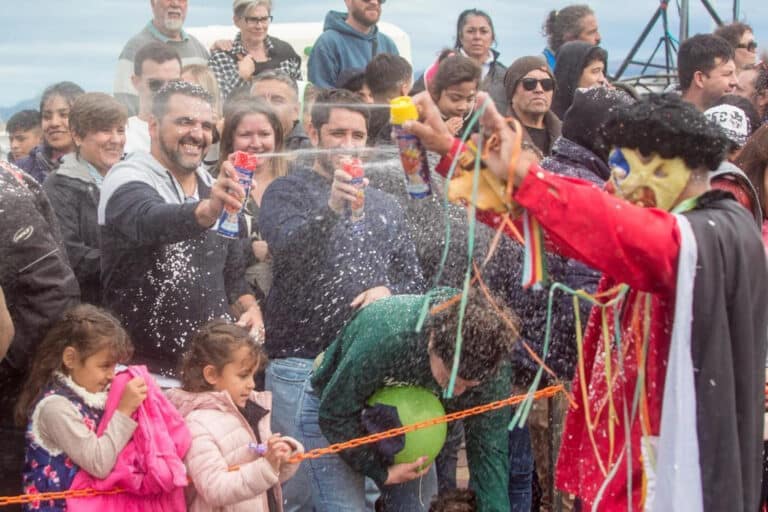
x,y
7,112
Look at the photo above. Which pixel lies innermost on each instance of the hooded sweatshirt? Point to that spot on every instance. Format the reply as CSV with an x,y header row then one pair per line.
x,y
163,273
226,474
342,47
571,61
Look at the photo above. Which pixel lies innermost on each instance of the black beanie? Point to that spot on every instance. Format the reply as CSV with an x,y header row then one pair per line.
x,y
588,112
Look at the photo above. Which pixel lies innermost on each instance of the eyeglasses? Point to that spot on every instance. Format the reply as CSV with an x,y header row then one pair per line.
x,y
529,84
155,84
257,20
381,2
750,46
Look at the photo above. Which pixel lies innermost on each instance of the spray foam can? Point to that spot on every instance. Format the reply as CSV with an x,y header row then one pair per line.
x,y
245,165
354,167
413,156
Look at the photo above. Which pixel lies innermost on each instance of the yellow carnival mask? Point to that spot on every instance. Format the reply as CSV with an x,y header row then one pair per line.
x,y
651,182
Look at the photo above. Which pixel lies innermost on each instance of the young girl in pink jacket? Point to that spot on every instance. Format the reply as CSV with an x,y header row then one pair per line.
x,y
235,463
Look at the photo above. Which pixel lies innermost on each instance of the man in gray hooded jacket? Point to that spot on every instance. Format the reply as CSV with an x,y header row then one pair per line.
x,y
165,269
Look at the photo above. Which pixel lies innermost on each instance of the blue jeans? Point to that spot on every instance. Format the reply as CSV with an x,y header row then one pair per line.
x,y
520,469
448,458
287,379
338,487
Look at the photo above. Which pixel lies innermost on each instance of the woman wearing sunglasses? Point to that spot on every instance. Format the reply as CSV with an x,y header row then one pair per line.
x,y
253,50
741,37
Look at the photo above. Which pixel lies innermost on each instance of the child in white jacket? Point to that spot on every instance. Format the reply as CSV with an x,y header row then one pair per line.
x,y
234,463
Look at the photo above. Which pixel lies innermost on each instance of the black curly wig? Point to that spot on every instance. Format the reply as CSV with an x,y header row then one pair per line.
x,y
667,125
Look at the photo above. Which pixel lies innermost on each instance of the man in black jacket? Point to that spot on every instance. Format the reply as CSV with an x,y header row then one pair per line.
x,y
39,286
327,264
165,269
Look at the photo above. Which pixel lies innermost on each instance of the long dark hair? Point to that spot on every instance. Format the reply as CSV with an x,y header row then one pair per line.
x,y
234,112
67,90
753,160
464,16
85,328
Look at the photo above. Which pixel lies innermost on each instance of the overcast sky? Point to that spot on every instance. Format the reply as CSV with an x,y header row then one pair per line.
x,y
45,41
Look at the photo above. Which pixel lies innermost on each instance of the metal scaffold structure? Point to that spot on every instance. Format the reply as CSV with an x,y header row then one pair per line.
x,y
657,73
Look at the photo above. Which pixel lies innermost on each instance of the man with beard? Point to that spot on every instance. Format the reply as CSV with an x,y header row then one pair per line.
x,y
327,264
166,26
165,269
530,88
348,41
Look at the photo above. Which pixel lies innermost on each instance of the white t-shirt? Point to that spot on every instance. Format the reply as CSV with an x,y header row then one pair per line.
x,y
136,135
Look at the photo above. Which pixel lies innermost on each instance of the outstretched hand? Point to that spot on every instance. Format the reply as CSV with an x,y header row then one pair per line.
x,y
225,193
435,136
431,130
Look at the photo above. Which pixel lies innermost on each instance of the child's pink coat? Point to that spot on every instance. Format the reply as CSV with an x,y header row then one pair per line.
x,y
226,474
150,469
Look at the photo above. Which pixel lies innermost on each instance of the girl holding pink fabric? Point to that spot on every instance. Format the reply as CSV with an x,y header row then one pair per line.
x,y
64,399
234,463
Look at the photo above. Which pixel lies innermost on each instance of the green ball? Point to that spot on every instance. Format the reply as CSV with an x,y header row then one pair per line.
x,y
415,404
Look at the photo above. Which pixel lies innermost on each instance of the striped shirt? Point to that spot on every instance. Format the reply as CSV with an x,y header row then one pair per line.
x,y
190,50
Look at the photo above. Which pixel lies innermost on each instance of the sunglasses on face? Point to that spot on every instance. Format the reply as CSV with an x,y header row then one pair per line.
x,y
750,46
529,84
155,84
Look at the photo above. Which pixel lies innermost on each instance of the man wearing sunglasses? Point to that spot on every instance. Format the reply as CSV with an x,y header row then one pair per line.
x,y
349,40
166,26
741,37
530,87
156,63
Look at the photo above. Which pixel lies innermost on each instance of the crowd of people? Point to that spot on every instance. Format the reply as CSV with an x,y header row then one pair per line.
x,y
244,352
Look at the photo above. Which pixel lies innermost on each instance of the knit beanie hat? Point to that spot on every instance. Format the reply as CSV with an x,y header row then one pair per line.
x,y
588,112
732,121
521,67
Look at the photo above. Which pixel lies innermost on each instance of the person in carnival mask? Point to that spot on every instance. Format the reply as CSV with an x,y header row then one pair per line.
x,y
669,387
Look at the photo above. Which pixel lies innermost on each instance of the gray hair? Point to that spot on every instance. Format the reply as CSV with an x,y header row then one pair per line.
x,y
243,6
278,75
